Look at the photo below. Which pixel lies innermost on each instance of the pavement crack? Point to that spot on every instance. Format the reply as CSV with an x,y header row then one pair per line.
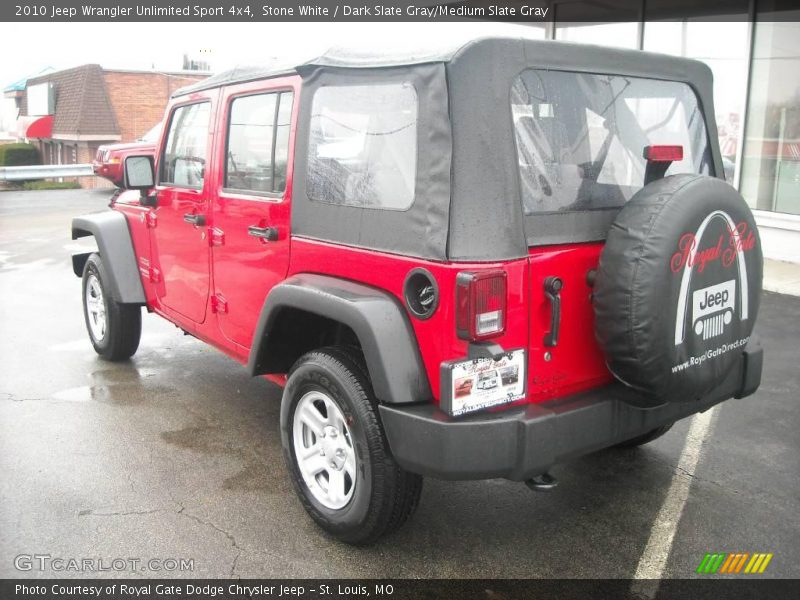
x,y
229,536
694,476
233,565
124,513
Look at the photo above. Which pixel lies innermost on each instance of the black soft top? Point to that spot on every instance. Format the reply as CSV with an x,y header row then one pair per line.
x,y
349,57
442,51
467,196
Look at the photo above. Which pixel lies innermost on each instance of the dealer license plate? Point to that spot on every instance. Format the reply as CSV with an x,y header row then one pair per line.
x,y
475,384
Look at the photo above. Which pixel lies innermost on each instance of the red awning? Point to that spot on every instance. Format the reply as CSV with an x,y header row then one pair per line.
x,y
35,127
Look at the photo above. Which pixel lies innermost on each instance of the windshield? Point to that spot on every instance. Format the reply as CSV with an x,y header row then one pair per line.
x,y
580,136
153,135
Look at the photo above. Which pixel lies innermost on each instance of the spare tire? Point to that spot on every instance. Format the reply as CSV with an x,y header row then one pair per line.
x,y
678,287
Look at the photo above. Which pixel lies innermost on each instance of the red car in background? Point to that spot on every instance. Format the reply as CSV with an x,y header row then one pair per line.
x,y
110,157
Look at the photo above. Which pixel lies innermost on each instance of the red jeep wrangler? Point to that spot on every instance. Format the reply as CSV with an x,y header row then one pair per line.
x,y
547,221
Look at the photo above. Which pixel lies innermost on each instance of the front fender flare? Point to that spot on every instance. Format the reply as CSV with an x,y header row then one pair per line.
x,y
110,230
377,318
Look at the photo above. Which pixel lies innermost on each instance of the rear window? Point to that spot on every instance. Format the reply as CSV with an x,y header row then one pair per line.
x,y
580,137
363,146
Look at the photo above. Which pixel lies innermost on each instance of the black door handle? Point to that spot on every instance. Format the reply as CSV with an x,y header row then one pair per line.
x,y
552,289
196,220
266,233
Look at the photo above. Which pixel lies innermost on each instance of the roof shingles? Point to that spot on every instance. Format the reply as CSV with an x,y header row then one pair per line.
x,y
82,105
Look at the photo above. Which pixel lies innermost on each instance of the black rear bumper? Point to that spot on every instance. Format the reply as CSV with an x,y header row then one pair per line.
x,y
520,443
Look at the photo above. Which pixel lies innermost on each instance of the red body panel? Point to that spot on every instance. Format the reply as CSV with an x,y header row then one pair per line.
x,y
576,362
242,270
213,280
436,336
180,250
128,204
245,267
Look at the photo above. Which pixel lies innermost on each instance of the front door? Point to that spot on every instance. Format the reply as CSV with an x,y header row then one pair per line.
x,y
179,244
251,210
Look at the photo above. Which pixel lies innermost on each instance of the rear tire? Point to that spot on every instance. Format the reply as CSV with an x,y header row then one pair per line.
x,y
346,477
114,329
645,438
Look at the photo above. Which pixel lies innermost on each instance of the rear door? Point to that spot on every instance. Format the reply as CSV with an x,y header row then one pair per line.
x,y
580,141
251,208
179,247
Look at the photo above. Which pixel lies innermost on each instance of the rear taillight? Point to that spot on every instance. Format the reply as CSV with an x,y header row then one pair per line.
x,y
480,304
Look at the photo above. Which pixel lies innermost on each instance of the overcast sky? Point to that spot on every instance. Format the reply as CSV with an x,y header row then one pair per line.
x,y
34,46
161,46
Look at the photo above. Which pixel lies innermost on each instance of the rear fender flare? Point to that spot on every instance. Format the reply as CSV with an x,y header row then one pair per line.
x,y
377,318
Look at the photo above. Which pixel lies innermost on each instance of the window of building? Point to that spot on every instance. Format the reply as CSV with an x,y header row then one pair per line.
x,y
363,146
580,136
723,47
770,177
606,23
620,35
185,151
258,143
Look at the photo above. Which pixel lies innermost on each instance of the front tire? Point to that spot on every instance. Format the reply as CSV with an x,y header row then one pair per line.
x,y
114,329
337,453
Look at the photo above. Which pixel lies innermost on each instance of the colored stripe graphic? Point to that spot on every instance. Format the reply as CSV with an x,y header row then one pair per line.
x,y
742,560
702,567
765,563
727,564
758,563
733,562
710,563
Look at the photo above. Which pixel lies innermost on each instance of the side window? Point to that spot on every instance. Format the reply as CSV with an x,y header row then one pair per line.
x,y
258,143
282,128
363,146
185,151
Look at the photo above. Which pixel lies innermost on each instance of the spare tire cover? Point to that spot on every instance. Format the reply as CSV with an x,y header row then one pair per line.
x,y
678,287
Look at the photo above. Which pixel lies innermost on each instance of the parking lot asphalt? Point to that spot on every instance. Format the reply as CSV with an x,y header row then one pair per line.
x,y
176,454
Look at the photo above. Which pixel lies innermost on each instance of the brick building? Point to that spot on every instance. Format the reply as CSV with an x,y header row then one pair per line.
x,y
69,113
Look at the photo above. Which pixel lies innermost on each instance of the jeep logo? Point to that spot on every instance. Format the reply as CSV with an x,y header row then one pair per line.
x,y
712,308
719,298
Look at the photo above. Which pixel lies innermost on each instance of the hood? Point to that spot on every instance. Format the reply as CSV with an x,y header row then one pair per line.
x,y
128,146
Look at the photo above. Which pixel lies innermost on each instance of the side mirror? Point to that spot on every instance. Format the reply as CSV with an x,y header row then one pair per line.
x,y
139,174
